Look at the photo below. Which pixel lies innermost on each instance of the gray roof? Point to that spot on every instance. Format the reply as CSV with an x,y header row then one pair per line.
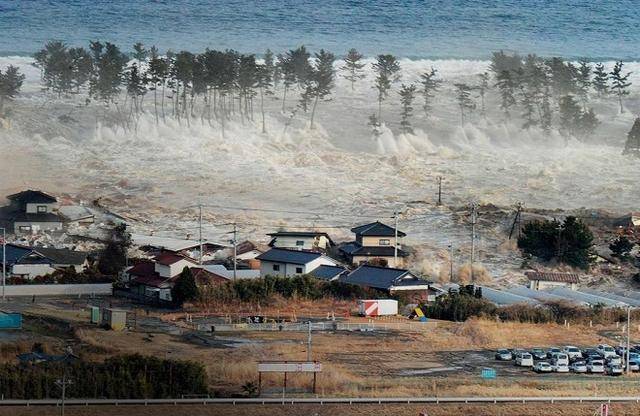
x,y
62,255
325,272
377,229
32,197
382,277
42,217
280,255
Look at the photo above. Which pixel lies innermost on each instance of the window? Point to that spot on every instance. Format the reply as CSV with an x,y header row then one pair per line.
x,y
276,267
41,209
299,270
299,243
384,242
25,228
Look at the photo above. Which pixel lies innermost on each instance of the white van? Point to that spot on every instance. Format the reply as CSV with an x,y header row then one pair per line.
x,y
573,352
524,359
560,358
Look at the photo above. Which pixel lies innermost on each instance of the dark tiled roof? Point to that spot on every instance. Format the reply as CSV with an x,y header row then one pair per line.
x,y
247,246
62,255
143,268
325,272
168,258
14,253
204,277
377,229
382,277
152,281
553,277
297,234
32,197
378,251
281,255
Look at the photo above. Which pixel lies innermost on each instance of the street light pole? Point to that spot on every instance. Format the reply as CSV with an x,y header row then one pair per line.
x,y
4,261
451,262
628,336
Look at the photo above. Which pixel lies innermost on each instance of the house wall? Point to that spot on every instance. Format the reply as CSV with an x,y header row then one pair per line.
x,y
249,255
288,269
33,208
174,269
390,260
30,271
309,243
542,285
373,241
36,226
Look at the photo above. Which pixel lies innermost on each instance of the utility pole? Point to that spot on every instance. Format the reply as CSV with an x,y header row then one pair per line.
x,y
4,262
200,232
63,383
309,342
474,220
628,337
517,221
235,250
395,245
451,262
439,190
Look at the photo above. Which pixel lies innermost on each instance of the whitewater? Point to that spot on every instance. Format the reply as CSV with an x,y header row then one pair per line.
x,y
332,177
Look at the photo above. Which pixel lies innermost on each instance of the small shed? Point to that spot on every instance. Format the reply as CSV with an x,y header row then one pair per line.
x,y
550,280
116,319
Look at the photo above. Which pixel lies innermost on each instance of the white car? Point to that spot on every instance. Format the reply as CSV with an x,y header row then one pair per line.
x,y
560,358
614,370
524,359
561,368
634,365
614,359
542,367
578,367
606,350
573,352
595,366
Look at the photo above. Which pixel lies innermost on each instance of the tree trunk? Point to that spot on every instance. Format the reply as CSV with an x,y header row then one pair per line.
x,y
284,97
155,102
313,110
162,101
264,129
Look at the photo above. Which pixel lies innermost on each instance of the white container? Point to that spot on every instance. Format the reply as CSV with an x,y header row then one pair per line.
x,y
377,307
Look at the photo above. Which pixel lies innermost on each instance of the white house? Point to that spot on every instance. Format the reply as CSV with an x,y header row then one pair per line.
x,y
550,280
375,242
169,264
284,262
301,240
32,211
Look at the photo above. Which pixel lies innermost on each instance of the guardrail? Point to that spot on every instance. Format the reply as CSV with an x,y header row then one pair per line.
x,y
319,326
322,401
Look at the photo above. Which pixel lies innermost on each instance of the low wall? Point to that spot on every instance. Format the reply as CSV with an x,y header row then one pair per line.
x,y
94,289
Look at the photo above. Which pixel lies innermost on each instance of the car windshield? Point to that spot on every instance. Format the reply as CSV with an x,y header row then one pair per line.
x,y
526,356
573,350
608,349
503,352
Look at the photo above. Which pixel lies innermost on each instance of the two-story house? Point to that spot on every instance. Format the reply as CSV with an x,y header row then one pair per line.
x,y
32,211
301,240
284,262
375,243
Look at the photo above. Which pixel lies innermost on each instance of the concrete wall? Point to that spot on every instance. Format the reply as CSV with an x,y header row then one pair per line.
x,y
33,208
542,285
31,270
59,290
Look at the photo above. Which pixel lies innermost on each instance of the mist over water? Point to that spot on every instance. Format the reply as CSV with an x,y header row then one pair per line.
x,y
410,29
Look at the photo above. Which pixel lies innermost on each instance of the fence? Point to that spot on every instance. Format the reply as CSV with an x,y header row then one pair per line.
x,y
90,289
320,326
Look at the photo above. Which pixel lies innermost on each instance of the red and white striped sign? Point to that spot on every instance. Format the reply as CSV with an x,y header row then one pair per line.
x,y
371,308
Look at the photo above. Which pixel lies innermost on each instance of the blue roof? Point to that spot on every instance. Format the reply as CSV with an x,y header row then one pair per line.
x,y
14,253
325,272
280,255
382,277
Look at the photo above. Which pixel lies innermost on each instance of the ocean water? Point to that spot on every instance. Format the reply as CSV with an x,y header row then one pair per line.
x,y
598,30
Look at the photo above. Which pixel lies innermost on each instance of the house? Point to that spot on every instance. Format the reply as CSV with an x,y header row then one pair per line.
x,y
32,211
285,262
221,270
248,250
301,240
375,243
329,273
153,279
155,245
550,280
390,280
30,262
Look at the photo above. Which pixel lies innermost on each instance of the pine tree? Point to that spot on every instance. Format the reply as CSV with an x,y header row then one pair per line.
x,y
139,52
353,66
465,103
135,85
56,66
546,116
620,83
374,123
570,114
81,67
583,81
483,87
528,104
506,86
109,64
270,67
407,95
286,70
430,85
632,145
247,82
387,71
321,79
10,84
264,85
158,71
600,80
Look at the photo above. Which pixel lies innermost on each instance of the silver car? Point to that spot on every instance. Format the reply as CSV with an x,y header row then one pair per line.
x,y
595,366
504,355
578,367
614,370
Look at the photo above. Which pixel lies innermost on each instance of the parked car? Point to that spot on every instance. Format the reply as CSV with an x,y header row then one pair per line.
x,y
504,355
621,350
552,351
578,367
634,365
538,354
614,359
613,370
606,350
560,368
573,352
560,358
595,366
590,353
524,359
542,367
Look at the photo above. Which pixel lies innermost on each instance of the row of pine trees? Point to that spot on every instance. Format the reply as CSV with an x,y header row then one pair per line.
x,y
215,86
